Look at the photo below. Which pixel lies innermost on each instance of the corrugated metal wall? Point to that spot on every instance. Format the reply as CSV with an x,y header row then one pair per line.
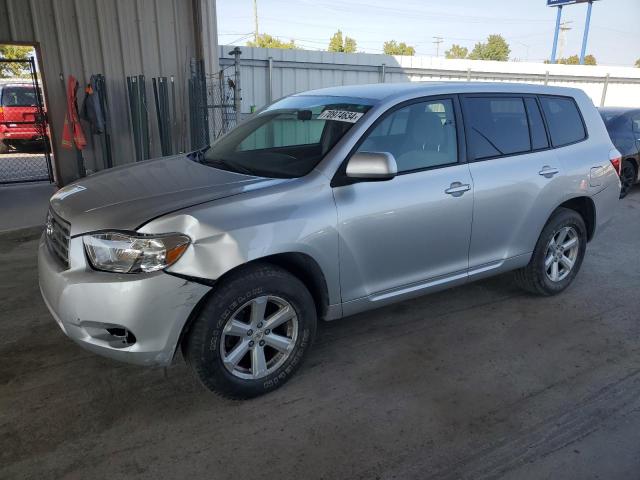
x,y
116,38
299,70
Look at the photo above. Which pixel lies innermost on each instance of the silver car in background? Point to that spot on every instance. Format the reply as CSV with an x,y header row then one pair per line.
x,y
322,205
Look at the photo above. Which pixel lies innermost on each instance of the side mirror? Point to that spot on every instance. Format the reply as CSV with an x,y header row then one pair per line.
x,y
372,166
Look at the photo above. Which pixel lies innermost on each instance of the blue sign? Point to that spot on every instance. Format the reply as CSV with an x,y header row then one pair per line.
x,y
558,3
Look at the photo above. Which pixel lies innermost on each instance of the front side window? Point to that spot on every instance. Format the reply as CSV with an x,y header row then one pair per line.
x,y
289,138
420,135
563,118
496,126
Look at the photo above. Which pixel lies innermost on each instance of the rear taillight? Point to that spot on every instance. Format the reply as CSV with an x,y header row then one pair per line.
x,y
617,164
1,114
616,160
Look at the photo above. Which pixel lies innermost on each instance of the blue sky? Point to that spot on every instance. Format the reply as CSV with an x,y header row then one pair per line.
x,y
527,25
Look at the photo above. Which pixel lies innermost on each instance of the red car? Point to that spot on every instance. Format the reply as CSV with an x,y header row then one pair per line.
x,y
18,113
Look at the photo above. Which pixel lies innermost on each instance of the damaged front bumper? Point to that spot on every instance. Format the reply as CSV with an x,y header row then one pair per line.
x,y
134,318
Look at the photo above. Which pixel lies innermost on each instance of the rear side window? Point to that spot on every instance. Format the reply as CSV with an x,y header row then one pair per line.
x,y
564,120
496,126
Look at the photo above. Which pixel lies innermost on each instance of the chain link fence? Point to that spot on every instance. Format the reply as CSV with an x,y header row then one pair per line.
x,y
214,102
24,141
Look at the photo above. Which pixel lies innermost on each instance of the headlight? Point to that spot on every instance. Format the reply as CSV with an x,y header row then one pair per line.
x,y
123,253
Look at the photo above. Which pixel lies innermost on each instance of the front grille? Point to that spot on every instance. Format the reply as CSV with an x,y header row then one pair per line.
x,y
57,237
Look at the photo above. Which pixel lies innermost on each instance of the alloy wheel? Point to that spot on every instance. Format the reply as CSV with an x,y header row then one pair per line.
x,y
259,337
561,254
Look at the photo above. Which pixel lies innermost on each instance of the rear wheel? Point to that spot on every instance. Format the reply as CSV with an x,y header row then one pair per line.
x,y
558,255
253,332
628,176
4,148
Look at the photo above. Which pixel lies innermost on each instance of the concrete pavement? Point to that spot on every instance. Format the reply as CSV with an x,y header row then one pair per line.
x,y
482,381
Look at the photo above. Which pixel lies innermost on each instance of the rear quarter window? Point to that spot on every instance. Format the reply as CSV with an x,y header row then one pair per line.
x,y
563,119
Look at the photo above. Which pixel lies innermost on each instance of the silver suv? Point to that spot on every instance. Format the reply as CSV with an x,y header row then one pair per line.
x,y
323,205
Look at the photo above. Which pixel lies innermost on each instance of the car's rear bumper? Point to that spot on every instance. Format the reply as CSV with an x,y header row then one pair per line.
x,y
153,307
20,131
606,202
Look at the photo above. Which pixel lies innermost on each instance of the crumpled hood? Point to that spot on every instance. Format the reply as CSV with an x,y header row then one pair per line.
x,y
124,198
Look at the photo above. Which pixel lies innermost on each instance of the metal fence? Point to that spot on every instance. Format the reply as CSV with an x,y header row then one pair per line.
x,y
24,135
269,74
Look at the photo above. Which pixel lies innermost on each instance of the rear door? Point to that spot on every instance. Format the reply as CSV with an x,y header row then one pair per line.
x,y
516,176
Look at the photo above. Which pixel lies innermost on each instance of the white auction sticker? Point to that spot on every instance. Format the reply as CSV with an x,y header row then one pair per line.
x,y
340,116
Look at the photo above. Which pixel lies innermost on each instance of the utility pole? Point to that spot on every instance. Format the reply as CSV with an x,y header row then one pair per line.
x,y
564,27
437,41
255,20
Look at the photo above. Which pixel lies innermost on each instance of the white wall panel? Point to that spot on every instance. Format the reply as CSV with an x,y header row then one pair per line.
x,y
117,38
314,69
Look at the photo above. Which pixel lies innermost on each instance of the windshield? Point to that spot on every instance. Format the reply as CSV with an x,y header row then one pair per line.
x,y
289,138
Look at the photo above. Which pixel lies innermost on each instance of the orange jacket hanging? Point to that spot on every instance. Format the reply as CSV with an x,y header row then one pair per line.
x,y
72,132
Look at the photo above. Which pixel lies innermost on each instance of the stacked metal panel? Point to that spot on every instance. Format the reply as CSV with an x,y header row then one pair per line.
x,y
139,116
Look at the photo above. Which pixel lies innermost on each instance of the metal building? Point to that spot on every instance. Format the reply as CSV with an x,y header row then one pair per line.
x,y
117,38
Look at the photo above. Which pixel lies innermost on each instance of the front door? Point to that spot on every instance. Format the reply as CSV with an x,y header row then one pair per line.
x,y
417,226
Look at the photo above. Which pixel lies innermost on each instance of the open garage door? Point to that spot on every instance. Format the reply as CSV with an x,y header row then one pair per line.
x,y
25,150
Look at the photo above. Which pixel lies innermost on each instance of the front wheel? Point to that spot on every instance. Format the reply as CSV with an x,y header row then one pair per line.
x,y
558,255
252,333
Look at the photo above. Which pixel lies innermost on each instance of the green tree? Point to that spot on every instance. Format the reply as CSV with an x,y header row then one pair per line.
x,y
575,60
638,63
265,40
14,52
495,48
456,51
338,44
394,48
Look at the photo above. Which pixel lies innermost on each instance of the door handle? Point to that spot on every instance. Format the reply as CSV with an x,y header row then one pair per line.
x,y
548,171
457,189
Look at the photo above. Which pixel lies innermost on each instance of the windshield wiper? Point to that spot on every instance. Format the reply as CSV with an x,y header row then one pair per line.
x,y
231,165
198,155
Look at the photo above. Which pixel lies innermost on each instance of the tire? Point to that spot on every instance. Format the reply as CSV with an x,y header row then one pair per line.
x,y
628,176
4,148
536,278
213,336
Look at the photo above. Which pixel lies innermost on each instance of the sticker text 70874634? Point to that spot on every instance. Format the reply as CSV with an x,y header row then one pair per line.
x,y
340,116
